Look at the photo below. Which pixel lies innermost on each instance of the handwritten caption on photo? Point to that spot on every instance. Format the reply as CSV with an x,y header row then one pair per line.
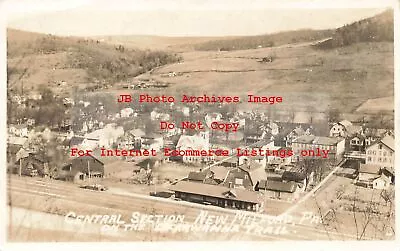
x,y
241,222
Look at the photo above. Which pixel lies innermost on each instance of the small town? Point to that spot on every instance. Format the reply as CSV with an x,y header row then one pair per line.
x,y
291,135
249,177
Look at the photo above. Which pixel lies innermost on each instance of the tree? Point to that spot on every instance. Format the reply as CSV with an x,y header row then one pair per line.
x,y
367,218
49,150
333,115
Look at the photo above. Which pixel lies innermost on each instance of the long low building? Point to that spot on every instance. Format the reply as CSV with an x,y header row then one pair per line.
x,y
315,146
217,195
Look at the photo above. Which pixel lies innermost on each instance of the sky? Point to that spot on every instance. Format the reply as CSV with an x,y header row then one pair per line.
x,y
183,17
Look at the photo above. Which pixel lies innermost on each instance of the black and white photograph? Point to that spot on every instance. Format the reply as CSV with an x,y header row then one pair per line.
x,y
155,121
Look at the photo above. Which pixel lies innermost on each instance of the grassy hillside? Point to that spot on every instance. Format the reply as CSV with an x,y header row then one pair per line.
x,y
343,78
37,59
375,29
308,79
263,41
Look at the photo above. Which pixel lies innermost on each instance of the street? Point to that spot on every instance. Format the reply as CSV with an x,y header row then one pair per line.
x,y
56,197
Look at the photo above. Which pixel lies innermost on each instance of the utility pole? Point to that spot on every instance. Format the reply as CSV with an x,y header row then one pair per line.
x,y
20,167
88,167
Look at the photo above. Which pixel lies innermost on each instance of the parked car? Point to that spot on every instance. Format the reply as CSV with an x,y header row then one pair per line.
x,y
172,197
95,187
30,172
162,194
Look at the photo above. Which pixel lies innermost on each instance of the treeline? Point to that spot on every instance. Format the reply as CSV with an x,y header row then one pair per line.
x,y
47,111
375,29
117,64
262,41
103,62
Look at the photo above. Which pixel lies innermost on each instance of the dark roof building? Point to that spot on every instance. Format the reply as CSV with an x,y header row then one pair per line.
x,y
279,186
217,195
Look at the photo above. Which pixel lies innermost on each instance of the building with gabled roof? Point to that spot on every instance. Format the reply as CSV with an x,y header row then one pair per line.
x,y
367,174
279,190
245,176
334,145
344,129
221,196
198,141
82,168
381,153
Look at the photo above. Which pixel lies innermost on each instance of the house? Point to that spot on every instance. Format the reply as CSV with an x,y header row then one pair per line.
x,y
346,172
18,130
390,173
155,115
253,137
186,111
219,173
279,190
276,160
120,168
152,141
372,134
83,143
263,144
76,141
32,161
382,182
240,121
81,169
297,175
258,160
212,117
339,129
150,163
206,177
367,174
68,102
35,96
14,144
245,176
381,153
108,136
198,176
294,134
357,143
344,129
221,196
198,141
288,132
312,144
17,99
126,112
30,122
228,162
132,139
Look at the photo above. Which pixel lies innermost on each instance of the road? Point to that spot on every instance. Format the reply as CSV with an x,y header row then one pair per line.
x,y
315,189
59,197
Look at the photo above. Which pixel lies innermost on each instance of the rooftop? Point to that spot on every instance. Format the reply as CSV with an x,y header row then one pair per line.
x,y
274,185
368,168
216,191
388,141
316,140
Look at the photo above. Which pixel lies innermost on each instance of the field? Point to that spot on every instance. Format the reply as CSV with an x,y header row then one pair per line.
x,y
351,209
377,105
122,179
308,79
351,78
